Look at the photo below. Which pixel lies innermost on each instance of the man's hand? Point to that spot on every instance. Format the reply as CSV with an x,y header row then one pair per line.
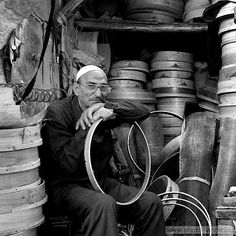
x,y
104,113
93,113
86,118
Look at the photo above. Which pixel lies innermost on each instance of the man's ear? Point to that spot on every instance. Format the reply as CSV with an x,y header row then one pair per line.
x,y
76,88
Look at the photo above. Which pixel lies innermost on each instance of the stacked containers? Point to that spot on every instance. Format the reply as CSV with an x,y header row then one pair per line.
x,y
225,176
173,85
227,74
128,79
194,9
161,11
22,192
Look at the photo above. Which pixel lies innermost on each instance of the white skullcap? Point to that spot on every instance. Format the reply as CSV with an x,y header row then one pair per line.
x,y
87,69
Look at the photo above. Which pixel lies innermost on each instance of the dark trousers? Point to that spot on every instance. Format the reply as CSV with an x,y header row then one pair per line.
x,y
97,214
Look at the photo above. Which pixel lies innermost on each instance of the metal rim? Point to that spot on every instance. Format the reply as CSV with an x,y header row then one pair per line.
x,y
89,168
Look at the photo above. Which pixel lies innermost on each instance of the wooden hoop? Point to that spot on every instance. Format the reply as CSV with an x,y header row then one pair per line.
x,y
89,168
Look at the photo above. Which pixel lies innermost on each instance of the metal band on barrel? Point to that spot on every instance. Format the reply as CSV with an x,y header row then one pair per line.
x,y
89,167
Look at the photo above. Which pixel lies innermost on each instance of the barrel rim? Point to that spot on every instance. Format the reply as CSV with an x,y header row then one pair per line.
x,y
14,147
24,167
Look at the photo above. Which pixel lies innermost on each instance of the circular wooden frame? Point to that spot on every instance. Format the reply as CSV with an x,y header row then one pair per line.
x,y
131,128
89,168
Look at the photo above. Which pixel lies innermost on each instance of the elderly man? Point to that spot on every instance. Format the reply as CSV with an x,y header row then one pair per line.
x,y
67,123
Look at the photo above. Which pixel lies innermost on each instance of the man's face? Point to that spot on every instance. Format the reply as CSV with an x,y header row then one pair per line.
x,y
87,91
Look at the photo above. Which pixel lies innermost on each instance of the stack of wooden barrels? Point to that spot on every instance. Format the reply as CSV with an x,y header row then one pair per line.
x,y
22,192
193,10
161,11
173,85
225,176
227,74
128,79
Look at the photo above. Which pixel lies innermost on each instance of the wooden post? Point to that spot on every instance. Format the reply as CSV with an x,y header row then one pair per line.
x,y
196,149
225,175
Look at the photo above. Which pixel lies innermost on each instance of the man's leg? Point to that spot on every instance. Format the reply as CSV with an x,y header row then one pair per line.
x,y
149,211
146,213
95,212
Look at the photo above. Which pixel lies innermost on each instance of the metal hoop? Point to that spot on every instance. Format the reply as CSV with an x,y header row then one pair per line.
x,y
89,168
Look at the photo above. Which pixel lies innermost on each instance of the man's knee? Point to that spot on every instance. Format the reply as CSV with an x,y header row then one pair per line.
x,y
105,202
152,200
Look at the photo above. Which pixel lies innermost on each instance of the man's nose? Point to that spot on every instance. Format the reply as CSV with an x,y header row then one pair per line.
x,y
98,92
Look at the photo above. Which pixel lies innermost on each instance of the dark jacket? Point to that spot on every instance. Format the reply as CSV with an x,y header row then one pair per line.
x,y
62,153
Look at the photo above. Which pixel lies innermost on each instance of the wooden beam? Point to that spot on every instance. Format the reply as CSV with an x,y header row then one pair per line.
x,y
139,27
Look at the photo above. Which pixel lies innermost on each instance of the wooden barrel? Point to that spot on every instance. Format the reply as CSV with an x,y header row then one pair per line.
x,y
10,139
24,218
19,159
173,74
227,85
165,84
175,7
131,65
129,74
172,56
171,65
117,82
20,175
20,196
226,11
228,37
227,72
227,111
227,99
228,59
151,16
226,92
226,25
228,49
135,94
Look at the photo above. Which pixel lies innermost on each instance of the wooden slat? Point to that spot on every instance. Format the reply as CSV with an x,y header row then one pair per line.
x,y
134,26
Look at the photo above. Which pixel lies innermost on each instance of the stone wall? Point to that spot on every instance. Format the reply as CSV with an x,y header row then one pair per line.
x,y
28,18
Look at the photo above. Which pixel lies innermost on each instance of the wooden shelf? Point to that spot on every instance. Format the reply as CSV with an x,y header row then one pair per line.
x,y
139,27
